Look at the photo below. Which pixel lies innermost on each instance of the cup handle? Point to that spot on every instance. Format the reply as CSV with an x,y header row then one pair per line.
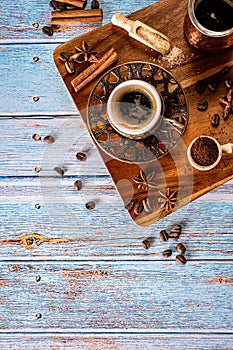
x,y
227,148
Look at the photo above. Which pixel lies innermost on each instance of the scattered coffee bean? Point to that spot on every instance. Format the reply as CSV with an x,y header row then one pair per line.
x,y
181,259
36,59
70,67
38,316
175,232
200,87
81,156
38,278
36,137
129,205
49,139
35,25
166,253
202,105
36,98
78,185
215,120
212,86
225,70
146,244
180,248
47,30
95,4
64,56
90,205
37,169
228,83
59,170
138,208
57,6
163,235
37,206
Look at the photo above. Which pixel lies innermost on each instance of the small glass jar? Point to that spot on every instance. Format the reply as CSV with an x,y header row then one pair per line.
x,y
201,37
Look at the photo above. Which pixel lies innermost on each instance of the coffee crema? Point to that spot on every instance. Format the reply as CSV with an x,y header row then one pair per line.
x,y
135,109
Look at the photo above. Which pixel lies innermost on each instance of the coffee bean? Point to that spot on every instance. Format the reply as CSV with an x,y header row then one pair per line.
x,y
36,98
36,59
181,259
81,156
225,70
70,67
38,278
47,30
146,244
228,83
37,206
212,86
78,185
95,4
38,316
163,235
215,120
129,205
59,170
49,139
200,87
180,248
64,56
175,232
90,205
202,105
36,137
166,253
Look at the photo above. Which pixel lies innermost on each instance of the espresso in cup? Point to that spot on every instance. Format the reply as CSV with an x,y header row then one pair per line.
x,y
134,109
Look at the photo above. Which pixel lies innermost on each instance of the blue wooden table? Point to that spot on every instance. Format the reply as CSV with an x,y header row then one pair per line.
x,y
77,279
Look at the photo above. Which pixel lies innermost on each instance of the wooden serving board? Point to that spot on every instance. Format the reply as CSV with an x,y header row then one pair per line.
x,y
172,170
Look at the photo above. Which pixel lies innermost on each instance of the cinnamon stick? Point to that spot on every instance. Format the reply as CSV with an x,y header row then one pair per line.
x,y
78,3
72,20
77,14
94,70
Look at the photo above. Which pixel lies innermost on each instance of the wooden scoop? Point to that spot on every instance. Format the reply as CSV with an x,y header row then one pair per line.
x,y
143,33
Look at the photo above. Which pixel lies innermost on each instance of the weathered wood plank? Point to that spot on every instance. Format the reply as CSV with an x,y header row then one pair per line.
x,y
116,342
117,295
21,79
69,231
18,17
20,154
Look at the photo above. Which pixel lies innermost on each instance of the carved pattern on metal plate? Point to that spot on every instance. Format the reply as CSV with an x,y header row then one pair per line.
x,y
174,122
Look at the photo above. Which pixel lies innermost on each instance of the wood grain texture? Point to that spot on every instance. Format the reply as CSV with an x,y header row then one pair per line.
x,y
63,341
97,295
19,17
172,170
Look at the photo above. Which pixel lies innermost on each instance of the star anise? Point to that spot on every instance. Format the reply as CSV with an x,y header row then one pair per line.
x,y
227,104
84,54
144,181
168,199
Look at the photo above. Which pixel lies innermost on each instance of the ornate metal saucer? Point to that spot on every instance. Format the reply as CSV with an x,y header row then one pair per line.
x,y
159,143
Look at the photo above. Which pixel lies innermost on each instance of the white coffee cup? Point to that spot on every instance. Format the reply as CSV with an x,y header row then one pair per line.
x,y
226,148
135,109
